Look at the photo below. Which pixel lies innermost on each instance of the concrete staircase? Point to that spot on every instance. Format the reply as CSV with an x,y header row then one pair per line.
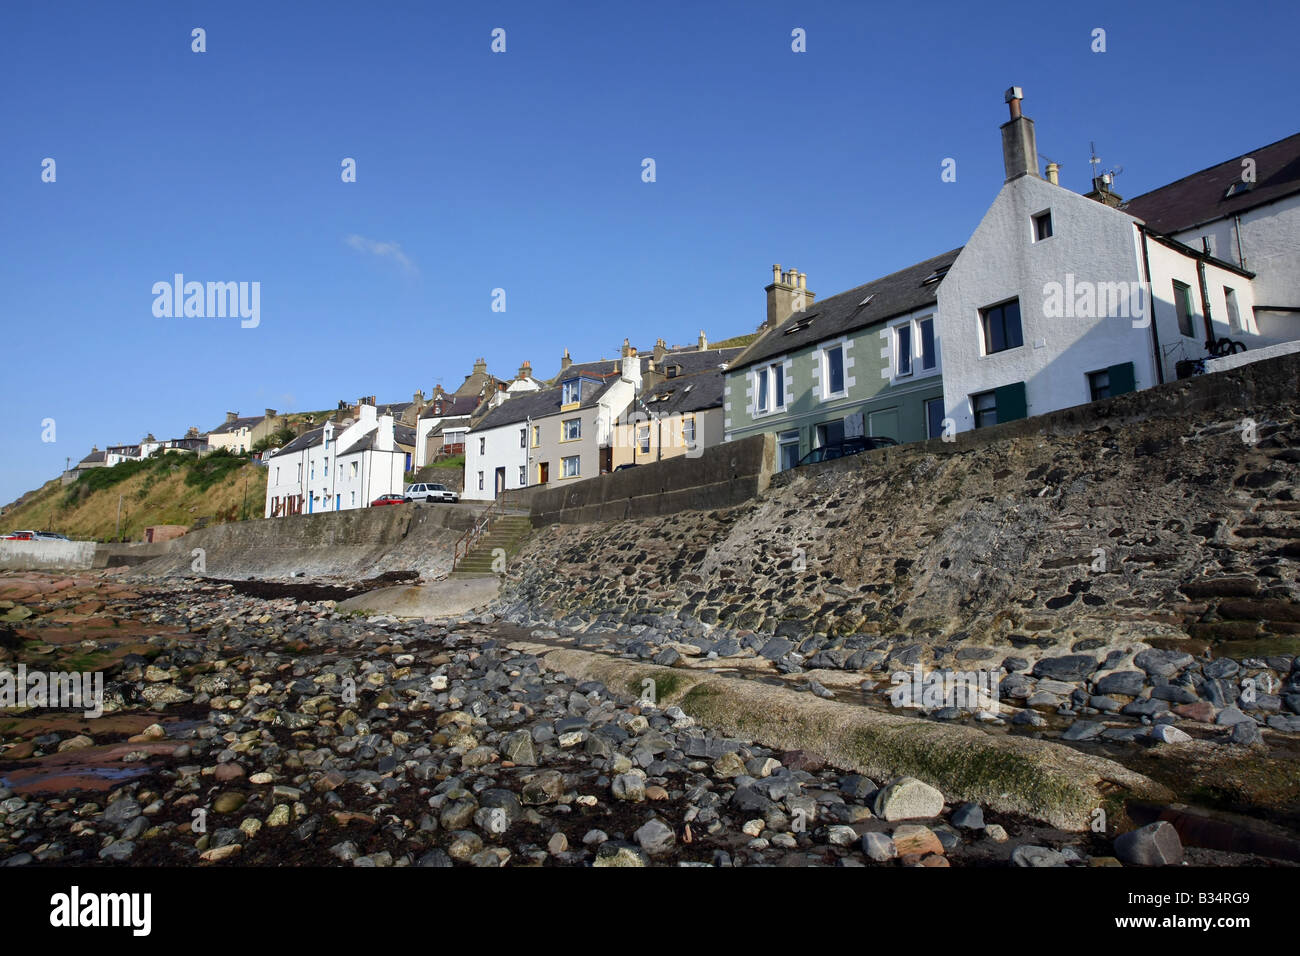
x,y
507,532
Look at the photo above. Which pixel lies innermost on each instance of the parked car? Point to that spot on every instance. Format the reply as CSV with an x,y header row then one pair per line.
x,y
389,500
625,466
50,536
431,493
20,536
842,449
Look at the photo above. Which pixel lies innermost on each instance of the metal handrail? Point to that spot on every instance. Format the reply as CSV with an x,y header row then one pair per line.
x,y
472,536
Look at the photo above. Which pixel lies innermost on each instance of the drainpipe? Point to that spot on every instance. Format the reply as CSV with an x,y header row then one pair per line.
x,y
1205,307
1236,220
1151,309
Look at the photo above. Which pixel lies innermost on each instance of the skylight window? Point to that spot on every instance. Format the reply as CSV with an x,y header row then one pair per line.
x,y
867,300
936,275
799,326
1237,188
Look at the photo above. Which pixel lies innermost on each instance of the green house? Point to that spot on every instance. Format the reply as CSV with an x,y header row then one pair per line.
x,y
864,362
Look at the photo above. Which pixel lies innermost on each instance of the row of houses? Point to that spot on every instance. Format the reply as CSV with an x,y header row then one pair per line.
x,y
1056,299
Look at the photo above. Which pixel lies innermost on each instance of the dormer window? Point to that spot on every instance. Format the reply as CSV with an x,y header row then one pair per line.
x,y
570,392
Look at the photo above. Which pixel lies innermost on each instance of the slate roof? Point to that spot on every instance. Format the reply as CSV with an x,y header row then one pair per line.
x,y
895,294
237,424
689,358
685,393
536,405
93,457
1202,197
403,434
461,421
453,405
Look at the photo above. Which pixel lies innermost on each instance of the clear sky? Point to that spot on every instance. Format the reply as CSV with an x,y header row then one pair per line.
x,y
522,171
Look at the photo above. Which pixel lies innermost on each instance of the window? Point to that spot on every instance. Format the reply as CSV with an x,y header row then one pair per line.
x,y
537,435
1237,188
928,355
327,467
1183,305
834,366
523,437
770,387
571,466
299,478
903,350
1099,385
571,429
277,474
354,499
1004,404
1234,314
688,430
643,438
523,475
480,481
1043,226
355,465
934,418
788,442
482,447
570,392
311,472
1001,324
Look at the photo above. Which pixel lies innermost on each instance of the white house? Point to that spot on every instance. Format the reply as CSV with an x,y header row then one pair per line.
x,y
1059,299
551,435
336,469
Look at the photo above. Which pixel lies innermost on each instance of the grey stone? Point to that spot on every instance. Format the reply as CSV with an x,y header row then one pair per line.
x,y
1156,844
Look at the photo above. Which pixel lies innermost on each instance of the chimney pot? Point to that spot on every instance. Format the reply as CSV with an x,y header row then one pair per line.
x,y
1053,173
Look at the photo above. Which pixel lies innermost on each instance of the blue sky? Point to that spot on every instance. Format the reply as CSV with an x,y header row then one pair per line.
x,y
522,171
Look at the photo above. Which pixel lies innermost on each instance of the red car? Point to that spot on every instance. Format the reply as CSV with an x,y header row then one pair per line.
x,y
19,536
388,500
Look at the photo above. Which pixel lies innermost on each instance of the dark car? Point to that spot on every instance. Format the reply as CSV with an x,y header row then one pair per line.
x,y
388,500
842,449
625,466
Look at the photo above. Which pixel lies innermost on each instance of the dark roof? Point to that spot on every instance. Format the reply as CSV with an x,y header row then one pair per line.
x,y
308,439
460,421
685,393
536,405
237,424
92,457
453,405
1202,197
403,434
690,358
895,294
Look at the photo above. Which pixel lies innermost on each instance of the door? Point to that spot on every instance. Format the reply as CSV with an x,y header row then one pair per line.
x,y
500,481
543,472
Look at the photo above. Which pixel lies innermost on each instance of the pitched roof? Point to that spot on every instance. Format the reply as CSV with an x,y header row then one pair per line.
x,y
94,456
235,425
685,393
452,405
461,421
528,405
895,294
1202,197
690,358
403,434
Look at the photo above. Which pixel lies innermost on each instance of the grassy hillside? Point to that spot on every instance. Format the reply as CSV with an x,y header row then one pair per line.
x,y
168,489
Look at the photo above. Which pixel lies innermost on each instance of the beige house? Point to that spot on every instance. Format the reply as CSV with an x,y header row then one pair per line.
x,y
238,435
682,415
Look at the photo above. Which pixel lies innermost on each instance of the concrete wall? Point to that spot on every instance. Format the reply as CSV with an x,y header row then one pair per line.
x,y
46,555
722,477
338,545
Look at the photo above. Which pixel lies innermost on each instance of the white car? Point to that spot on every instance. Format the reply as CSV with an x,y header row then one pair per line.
x,y
431,493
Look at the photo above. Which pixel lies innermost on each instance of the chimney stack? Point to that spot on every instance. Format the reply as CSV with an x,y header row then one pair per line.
x,y
1019,145
565,361
704,342
525,371
270,413
231,416
787,295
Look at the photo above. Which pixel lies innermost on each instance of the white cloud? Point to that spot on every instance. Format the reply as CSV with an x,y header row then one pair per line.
x,y
374,247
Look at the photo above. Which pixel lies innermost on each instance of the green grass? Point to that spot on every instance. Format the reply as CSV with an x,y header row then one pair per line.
x,y
213,468
455,461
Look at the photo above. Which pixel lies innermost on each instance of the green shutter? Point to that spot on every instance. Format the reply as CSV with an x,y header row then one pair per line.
x,y
1122,379
1011,402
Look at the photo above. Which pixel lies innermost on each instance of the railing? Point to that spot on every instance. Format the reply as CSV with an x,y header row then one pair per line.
x,y
472,536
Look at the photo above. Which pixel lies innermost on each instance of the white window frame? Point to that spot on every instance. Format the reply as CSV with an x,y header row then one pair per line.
x,y
825,356
571,392
577,466
564,429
